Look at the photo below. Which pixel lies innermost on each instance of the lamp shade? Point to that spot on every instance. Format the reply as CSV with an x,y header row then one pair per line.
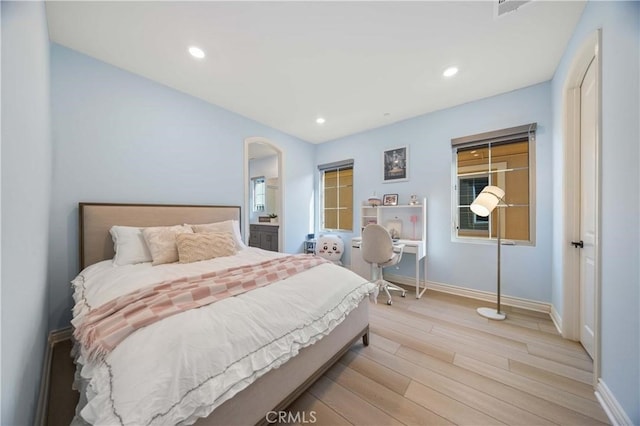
x,y
487,200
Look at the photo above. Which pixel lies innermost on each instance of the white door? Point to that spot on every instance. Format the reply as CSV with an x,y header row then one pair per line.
x,y
588,206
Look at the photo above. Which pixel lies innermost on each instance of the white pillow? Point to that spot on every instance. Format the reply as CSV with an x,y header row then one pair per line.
x,y
129,245
161,241
231,226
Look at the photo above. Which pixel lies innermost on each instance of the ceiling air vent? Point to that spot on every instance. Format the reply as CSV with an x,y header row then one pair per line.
x,y
505,6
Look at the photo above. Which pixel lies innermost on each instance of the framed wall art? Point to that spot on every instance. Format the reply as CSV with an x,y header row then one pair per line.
x,y
395,163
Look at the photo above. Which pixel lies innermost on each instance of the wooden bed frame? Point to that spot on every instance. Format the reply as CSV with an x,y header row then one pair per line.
x,y
278,388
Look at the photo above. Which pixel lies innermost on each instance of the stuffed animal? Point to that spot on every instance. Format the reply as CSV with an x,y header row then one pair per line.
x,y
330,247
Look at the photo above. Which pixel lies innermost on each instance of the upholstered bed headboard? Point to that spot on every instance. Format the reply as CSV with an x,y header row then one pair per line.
x,y
96,219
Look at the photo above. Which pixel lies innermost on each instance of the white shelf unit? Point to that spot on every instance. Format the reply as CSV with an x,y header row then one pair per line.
x,y
413,235
404,213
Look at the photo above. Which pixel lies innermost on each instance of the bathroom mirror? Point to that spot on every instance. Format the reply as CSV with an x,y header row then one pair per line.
x,y
263,184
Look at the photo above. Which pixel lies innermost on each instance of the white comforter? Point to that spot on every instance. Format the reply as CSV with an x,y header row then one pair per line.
x,y
181,368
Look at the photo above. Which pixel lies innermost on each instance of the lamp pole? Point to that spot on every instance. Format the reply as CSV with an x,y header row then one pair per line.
x,y
498,233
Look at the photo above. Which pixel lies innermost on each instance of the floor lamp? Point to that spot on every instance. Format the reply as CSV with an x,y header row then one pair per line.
x,y
488,199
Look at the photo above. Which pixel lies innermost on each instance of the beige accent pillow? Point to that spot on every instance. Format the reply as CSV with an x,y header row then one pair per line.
x,y
203,246
231,226
161,241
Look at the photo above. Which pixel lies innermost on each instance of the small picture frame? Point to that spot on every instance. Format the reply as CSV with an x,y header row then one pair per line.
x,y
395,165
390,200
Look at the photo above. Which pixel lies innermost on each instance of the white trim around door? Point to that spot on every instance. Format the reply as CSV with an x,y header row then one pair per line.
x,y
590,51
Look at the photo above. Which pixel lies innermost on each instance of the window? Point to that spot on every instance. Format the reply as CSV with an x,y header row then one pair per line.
x,y
502,158
259,193
336,189
468,190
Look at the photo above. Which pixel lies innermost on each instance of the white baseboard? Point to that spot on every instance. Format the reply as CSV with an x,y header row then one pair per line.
x,y
611,406
57,336
485,296
557,319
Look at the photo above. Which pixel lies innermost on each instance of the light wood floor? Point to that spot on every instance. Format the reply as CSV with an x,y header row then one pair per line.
x,y
436,361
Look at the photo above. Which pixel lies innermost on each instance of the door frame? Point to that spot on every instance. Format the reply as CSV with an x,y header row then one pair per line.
x,y
590,50
247,194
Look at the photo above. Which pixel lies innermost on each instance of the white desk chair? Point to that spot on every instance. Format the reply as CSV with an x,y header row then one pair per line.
x,y
379,251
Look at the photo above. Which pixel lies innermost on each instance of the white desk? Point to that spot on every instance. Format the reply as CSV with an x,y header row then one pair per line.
x,y
416,247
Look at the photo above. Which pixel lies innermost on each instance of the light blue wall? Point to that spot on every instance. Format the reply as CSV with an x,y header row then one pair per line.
x,y
26,178
525,270
620,230
119,137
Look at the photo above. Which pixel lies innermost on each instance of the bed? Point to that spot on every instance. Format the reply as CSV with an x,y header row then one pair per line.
x,y
129,385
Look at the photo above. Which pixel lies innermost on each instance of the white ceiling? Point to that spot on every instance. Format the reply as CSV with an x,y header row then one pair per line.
x,y
360,65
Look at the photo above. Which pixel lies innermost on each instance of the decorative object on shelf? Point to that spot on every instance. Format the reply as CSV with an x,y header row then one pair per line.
x,y
273,218
413,200
374,200
264,219
395,165
310,244
488,199
395,228
330,247
413,219
390,200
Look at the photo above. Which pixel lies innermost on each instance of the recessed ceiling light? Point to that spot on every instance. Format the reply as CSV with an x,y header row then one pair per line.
x,y
451,71
196,52
320,120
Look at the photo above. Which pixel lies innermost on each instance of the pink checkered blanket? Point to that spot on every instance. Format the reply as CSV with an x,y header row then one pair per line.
x,y
109,324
